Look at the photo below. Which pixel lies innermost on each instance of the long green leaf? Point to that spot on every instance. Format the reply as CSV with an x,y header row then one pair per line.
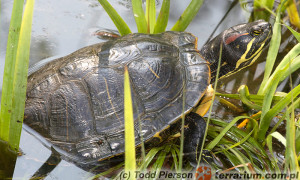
x,y
290,151
213,143
150,15
115,17
162,19
20,77
157,166
270,146
188,15
130,161
238,132
284,63
10,59
272,53
264,125
244,95
139,16
252,97
150,156
295,33
241,158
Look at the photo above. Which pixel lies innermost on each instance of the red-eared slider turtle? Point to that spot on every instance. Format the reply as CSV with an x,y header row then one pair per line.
x,y
76,101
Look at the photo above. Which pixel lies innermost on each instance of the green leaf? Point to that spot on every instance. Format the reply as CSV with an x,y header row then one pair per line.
x,y
265,122
20,77
290,151
163,17
284,63
174,155
130,161
244,95
295,33
115,17
150,15
139,16
251,143
258,99
10,59
149,157
157,166
272,53
188,15
213,143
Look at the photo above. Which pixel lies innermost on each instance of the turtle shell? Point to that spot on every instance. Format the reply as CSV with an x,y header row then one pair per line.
x,y
76,101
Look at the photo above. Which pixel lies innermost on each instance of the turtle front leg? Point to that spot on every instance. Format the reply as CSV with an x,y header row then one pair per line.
x,y
194,131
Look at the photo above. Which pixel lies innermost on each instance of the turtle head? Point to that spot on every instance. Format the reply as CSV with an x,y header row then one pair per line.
x,y
241,46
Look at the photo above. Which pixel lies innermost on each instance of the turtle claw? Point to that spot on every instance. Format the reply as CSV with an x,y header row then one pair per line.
x,y
89,148
90,153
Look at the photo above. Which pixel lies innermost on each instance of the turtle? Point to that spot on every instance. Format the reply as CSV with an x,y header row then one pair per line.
x,y
76,101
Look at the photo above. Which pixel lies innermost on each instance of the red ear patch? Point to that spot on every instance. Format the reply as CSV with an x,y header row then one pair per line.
x,y
232,38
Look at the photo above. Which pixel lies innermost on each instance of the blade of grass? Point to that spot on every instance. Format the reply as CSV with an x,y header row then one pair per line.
x,y
272,52
239,155
284,63
11,52
248,135
263,126
188,15
115,17
174,156
130,161
237,132
295,33
182,129
150,15
213,143
139,16
157,166
163,17
150,156
20,77
290,68
265,122
290,151
244,95
295,104
252,97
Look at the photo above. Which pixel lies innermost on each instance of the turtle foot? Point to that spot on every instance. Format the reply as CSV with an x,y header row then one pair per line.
x,y
91,148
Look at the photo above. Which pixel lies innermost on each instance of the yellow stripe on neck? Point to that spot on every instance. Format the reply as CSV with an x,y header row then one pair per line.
x,y
243,57
253,57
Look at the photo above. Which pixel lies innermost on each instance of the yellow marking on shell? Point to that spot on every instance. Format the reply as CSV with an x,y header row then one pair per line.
x,y
177,135
157,135
152,70
109,98
224,64
206,101
253,57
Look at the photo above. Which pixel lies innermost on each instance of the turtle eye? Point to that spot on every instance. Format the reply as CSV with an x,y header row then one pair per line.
x,y
256,32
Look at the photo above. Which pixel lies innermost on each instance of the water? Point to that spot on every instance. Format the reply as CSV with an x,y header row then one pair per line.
x,y
61,27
